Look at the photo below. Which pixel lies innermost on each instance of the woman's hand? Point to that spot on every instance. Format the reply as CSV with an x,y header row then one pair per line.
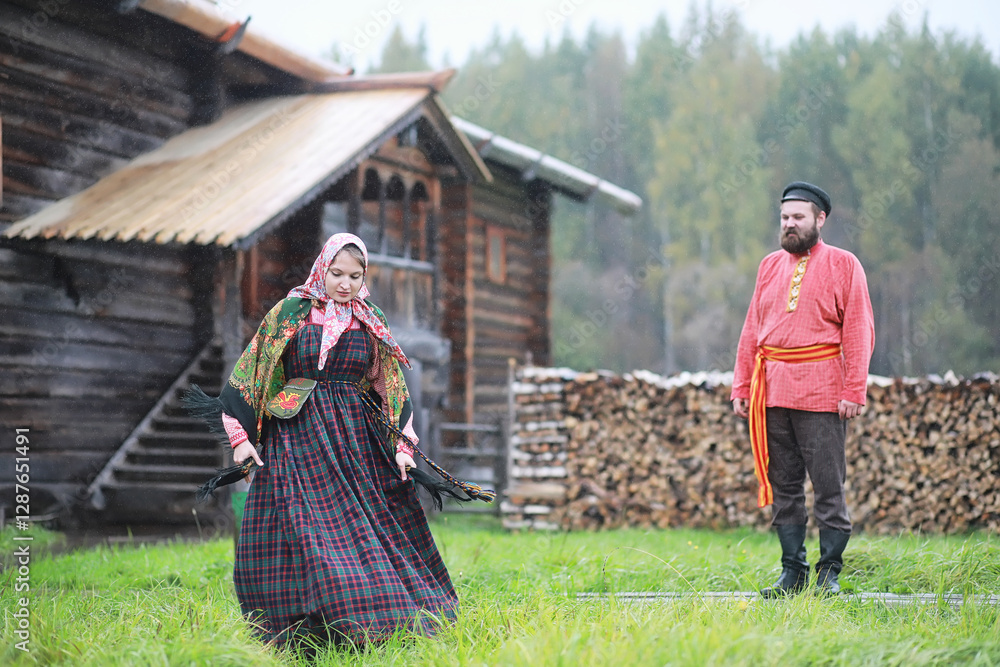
x,y
404,461
245,450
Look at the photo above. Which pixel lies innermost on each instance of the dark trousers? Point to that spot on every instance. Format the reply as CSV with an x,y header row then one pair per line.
x,y
798,442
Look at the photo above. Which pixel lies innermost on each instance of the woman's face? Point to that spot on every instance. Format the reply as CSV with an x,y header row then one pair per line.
x,y
344,277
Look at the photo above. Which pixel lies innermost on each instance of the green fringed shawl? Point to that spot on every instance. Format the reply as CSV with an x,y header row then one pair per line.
x,y
259,373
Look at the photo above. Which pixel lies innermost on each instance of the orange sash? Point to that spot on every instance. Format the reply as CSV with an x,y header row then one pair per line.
x,y
758,404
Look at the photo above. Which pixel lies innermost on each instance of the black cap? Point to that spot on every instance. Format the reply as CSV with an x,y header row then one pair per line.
x,y
802,191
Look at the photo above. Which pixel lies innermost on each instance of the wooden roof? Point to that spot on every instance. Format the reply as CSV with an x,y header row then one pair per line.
x,y
214,20
227,182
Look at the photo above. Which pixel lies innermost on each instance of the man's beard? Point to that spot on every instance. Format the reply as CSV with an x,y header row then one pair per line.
x,y
800,243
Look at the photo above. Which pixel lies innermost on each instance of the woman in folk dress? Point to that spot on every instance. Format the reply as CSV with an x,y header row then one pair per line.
x,y
334,542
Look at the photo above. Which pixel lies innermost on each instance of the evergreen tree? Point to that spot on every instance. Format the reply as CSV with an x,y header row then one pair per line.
x,y
399,55
903,129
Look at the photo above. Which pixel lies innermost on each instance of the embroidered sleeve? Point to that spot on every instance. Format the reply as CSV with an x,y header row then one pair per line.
x,y
237,434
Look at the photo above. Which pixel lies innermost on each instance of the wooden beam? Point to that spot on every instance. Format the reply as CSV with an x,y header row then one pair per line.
x,y
212,21
435,81
232,311
470,307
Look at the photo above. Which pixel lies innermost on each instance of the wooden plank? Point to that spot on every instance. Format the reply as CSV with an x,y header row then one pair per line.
x,y
41,382
45,182
45,413
504,188
114,304
144,257
101,436
61,96
496,347
58,466
73,128
60,154
507,320
17,206
58,37
86,356
15,264
93,278
97,78
496,298
46,326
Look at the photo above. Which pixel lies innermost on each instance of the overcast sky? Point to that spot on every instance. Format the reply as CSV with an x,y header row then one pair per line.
x,y
453,27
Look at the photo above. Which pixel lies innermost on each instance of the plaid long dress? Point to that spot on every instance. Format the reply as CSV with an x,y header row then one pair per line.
x,y
333,542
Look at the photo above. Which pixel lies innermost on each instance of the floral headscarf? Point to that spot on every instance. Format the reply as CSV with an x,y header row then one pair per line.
x,y
338,315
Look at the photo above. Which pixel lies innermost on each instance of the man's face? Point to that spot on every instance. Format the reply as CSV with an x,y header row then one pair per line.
x,y
799,226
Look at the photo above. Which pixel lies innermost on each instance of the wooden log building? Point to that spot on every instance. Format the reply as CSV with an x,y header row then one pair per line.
x,y
169,173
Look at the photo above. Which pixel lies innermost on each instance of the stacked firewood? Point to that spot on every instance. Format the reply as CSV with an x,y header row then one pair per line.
x,y
926,457
538,452
593,451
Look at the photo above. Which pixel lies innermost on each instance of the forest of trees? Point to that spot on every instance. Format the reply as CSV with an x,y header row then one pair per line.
x,y
707,125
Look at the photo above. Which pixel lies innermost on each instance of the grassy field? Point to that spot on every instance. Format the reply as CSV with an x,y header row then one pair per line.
x,y
173,604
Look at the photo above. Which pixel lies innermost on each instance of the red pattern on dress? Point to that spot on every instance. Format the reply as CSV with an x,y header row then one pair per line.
x,y
236,433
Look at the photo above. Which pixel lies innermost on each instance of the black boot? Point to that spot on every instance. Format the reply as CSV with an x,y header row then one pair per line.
x,y
794,566
831,560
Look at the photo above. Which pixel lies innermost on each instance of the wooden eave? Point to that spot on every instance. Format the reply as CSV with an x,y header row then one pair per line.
x,y
229,182
212,21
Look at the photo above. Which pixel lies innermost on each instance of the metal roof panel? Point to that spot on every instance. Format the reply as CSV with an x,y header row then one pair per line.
x,y
561,175
222,182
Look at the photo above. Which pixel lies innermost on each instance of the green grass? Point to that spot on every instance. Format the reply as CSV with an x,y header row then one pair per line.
x,y
173,604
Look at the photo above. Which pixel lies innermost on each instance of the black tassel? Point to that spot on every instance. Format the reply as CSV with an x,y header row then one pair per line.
x,y
206,408
209,409
436,488
225,476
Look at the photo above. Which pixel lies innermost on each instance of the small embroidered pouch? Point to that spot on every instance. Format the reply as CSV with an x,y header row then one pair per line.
x,y
287,402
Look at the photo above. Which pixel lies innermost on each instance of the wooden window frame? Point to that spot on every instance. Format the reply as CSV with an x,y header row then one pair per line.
x,y
496,235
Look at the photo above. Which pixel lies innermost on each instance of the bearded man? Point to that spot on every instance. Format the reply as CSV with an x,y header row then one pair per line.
x,y
801,373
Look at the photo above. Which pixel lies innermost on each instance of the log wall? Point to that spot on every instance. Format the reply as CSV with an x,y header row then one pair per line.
x,y
84,89
92,334
509,315
594,451
90,337
76,103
